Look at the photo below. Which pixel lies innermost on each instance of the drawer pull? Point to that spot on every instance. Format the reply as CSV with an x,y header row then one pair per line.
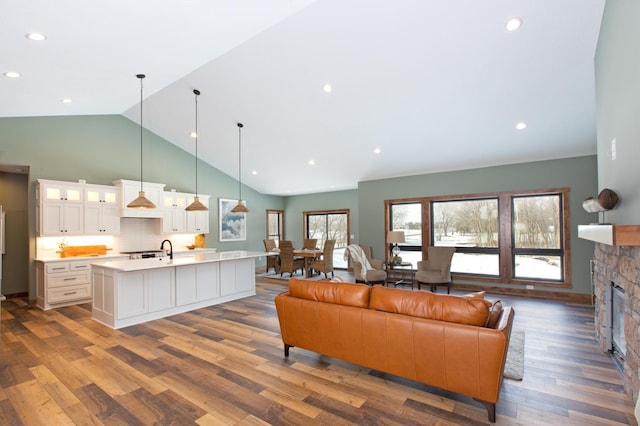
x,y
71,279
81,266
59,269
70,293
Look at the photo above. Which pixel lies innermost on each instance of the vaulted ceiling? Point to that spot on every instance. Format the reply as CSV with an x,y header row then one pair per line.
x,y
433,85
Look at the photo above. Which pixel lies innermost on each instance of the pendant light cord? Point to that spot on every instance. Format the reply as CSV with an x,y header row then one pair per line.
x,y
141,76
196,92
240,161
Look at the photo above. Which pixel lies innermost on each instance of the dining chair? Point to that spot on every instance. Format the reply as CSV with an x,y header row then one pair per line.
x,y
325,265
269,245
310,243
287,262
436,269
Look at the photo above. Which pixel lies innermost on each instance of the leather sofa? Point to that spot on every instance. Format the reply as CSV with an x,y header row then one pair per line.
x,y
457,343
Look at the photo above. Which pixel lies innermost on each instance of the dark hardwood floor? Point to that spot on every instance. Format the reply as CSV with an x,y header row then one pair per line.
x,y
225,365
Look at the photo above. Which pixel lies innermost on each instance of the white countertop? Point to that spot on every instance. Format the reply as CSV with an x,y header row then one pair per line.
x,y
154,263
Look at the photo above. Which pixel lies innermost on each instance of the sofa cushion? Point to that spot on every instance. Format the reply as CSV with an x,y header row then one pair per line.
x,y
340,293
442,307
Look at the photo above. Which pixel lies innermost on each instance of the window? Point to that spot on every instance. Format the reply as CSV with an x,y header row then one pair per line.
x,y
503,237
472,227
329,225
537,237
407,217
275,225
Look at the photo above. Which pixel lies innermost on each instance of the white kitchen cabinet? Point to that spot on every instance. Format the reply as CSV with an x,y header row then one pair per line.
x,y
101,210
59,218
63,283
174,219
128,292
237,276
129,190
198,222
197,283
103,306
143,292
60,208
51,190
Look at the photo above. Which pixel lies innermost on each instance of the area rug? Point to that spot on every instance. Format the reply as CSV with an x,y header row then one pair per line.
x,y
514,366
285,277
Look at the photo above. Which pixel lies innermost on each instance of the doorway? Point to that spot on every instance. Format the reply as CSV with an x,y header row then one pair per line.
x,y
14,198
329,225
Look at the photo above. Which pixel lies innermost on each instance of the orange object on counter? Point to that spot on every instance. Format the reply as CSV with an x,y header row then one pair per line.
x,y
73,251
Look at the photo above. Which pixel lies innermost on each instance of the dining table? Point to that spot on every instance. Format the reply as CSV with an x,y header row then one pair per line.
x,y
308,255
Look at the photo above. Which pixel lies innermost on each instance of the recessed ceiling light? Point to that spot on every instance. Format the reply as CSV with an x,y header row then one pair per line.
x,y
327,88
11,74
377,151
513,24
193,134
66,100
312,163
255,172
521,125
36,36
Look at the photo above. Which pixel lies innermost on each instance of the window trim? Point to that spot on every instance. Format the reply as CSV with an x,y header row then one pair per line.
x,y
280,214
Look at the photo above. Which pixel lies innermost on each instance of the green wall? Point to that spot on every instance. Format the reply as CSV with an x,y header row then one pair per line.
x,y
578,174
296,205
618,104
100,149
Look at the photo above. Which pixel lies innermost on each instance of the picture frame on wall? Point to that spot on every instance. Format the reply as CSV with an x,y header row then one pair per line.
x,y
233,226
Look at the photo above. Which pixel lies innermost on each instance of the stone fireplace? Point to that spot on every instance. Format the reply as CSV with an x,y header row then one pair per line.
x,y
616,278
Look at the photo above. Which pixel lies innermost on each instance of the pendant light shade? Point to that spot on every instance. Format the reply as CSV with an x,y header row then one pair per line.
x,y
196,205
141,202
240,207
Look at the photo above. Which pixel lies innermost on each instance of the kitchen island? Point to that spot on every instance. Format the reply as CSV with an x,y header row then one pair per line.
x,y
128,292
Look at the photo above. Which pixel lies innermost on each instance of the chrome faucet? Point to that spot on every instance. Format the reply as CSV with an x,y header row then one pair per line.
x,y
170,247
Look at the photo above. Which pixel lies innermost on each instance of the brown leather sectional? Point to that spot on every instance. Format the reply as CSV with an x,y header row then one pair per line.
x,y
457,343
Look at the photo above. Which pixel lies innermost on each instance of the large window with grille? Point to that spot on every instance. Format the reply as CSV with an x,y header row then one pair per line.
x,y
472,226
508,237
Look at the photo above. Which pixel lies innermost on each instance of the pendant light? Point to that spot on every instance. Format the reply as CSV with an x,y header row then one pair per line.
x,y
196,205
240,207
141,202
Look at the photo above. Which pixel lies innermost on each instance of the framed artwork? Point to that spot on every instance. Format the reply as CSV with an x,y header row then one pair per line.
x,y
233,226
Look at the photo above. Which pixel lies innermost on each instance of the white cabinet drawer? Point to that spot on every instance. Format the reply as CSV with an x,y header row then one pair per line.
x,y
70,278
80,266
55,267
69,293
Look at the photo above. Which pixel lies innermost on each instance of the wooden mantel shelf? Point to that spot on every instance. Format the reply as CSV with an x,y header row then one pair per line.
x,y
613,235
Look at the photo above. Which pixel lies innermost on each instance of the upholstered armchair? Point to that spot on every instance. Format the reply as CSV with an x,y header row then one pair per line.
x,y
325,265
375,275
436,269
269,245
287,262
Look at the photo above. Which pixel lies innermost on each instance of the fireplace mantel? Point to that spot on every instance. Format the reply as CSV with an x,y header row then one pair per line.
x,y
613,235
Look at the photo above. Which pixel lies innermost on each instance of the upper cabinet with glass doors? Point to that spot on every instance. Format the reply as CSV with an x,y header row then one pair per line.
x,y
60,208
101,210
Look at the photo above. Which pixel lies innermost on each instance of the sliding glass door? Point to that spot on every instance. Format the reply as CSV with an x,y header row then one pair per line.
x,y
329,225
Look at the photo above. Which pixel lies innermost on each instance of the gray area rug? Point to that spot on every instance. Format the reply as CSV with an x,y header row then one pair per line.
x,y
514,366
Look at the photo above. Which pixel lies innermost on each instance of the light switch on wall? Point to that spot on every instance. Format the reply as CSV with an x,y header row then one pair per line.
x,y
613,149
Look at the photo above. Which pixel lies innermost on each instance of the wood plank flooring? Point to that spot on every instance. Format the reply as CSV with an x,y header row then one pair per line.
x,y
224,365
